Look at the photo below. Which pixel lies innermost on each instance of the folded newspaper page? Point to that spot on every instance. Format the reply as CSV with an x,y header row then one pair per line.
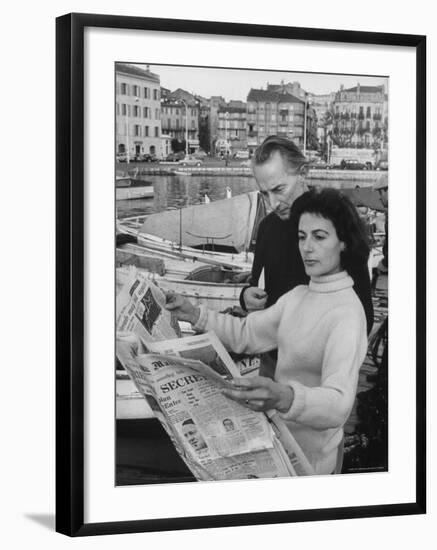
x,y
216,437
140,308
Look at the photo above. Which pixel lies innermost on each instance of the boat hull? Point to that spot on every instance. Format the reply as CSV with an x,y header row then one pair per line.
x,y
129,193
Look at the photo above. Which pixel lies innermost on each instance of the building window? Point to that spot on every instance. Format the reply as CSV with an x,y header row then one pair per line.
x,y
157,114
137,130
146,93
177,124
156,131
135,90
193,124
124,89
368,113
145,112
146,131
155,94
123,109
136,110
168,123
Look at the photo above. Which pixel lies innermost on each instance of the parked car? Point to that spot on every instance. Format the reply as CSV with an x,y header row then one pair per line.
x,y
175,157
149,158
242,154
190,161
382,165
352,164
121,157
319,165
200,154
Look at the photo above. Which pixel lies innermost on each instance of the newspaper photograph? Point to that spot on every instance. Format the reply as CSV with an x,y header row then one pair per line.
x,y
140,308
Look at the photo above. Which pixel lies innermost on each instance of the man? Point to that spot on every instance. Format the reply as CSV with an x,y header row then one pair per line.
x,y
278,166
279,171
192,435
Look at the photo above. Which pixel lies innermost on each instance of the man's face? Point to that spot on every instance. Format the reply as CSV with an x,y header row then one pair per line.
x,y
193,437
279,185
228,424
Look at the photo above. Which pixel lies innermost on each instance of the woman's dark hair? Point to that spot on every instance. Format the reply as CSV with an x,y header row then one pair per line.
x,y
289,151
332,205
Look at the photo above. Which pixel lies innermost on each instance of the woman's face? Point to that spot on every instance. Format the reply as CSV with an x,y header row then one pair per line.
x,y
319,245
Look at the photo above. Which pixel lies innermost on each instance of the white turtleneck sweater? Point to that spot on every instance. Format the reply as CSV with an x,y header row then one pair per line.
x,y
320,333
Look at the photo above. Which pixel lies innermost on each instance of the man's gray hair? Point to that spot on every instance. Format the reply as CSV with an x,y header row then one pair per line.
x,y
289,151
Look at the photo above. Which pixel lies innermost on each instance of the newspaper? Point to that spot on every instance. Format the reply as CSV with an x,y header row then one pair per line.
x,y
140,308
217,438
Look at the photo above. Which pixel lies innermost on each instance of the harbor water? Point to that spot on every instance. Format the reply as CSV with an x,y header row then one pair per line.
x,y
179,191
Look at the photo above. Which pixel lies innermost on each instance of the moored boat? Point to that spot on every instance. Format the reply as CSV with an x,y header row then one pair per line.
x,y
127,187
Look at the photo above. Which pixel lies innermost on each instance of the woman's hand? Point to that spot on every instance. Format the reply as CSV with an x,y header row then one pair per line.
x,y
182,308
261,394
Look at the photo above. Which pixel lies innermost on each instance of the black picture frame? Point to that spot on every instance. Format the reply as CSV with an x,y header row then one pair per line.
x,y
70,273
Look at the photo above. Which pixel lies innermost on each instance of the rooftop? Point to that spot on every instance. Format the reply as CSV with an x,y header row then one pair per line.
x,y
273,96
366,89
133,70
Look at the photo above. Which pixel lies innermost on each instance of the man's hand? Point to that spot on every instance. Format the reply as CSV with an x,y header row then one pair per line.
x,y
254,298
182,308
260,394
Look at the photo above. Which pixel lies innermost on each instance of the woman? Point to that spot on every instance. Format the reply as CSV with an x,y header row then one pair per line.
x,y
319,330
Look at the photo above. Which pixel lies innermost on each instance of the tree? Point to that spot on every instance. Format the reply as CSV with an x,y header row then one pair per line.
x,y
177,145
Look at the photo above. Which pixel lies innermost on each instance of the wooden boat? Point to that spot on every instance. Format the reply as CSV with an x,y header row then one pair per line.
x,y
227,225
185,257
219,233
127,188
129,403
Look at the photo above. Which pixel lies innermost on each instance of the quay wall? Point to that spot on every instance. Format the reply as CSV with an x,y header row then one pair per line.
x,y
370,176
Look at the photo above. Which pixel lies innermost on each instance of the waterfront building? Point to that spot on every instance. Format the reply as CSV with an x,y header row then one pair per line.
x,y
165,146
138,116
231,128
180,118
276,111
360,117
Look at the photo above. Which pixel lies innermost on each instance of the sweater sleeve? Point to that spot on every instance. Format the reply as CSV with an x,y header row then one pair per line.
x,y
329,405
256,333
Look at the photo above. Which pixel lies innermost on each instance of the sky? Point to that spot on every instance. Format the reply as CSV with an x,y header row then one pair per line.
x,y
236,83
